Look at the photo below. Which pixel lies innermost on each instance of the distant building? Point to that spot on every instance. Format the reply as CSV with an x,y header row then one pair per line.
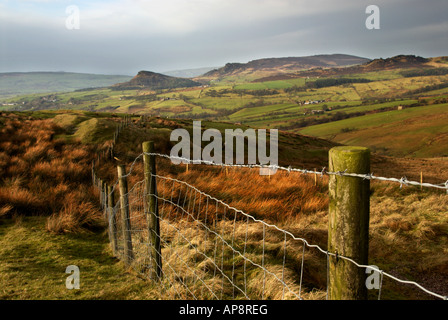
x,y
313,102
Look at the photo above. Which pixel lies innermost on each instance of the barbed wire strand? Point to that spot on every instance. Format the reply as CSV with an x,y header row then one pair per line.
x,y
402,181
369,176
305,241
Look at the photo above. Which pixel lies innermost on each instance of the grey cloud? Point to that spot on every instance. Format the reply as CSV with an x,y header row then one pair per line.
x,y
407,27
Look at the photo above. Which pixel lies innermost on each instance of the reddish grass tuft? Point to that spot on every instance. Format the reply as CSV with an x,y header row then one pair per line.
x,y
41,175
74,218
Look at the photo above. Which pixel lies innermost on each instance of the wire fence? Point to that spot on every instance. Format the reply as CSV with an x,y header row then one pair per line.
x,y
211,250
403,181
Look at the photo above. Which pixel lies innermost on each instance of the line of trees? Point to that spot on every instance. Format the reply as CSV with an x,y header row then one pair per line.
x,y
330,82
424,72
256,93
428,88
309,121
143,97
327,82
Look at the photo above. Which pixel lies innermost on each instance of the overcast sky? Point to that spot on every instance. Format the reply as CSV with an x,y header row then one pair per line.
x,y
126,36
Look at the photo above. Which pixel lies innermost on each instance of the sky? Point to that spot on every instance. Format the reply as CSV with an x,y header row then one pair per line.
x,y
126,36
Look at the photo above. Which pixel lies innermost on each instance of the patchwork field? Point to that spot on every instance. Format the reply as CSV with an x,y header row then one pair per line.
x,y
363,113
413,132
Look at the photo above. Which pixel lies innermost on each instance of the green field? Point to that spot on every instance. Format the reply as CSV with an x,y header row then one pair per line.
x,y
419,131
282,104
34,262
279,84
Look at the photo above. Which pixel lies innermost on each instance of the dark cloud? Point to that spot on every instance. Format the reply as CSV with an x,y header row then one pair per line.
x,y
126,36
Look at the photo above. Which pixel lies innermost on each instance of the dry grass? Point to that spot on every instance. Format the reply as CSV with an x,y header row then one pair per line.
x,y
281,197
45,176
408,234
198,264
195,258
5,210
408,227
75,217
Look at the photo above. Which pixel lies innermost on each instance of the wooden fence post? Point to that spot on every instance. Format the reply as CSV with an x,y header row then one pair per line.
x,y
348,222
111,220
103,195
124,202
152,210
99,184
93,172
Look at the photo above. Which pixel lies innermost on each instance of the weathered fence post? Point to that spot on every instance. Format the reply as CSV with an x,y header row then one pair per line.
x,y
99,184
103,194
93,172
111,220
152,210
348,222
124,202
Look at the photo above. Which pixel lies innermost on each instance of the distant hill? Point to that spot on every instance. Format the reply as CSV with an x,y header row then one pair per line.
x,y
380,64
272,66
400,61
18,83
189,73
154,81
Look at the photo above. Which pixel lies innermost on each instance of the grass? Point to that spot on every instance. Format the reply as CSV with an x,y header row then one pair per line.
x,y
95,130
41,173
416,132
13,84
279,84
33,264
50,219
395,87
408,229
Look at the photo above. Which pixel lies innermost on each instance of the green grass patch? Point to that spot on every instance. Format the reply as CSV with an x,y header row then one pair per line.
x,y
411,132
33,264
95,130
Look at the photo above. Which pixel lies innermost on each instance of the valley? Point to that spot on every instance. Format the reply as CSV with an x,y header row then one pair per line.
x,y
333,103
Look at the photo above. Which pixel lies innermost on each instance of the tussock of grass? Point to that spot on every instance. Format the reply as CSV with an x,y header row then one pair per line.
x,y
75,218
4,210
45,176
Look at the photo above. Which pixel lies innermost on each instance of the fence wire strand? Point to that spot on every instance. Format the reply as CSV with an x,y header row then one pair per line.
x,y
197,241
